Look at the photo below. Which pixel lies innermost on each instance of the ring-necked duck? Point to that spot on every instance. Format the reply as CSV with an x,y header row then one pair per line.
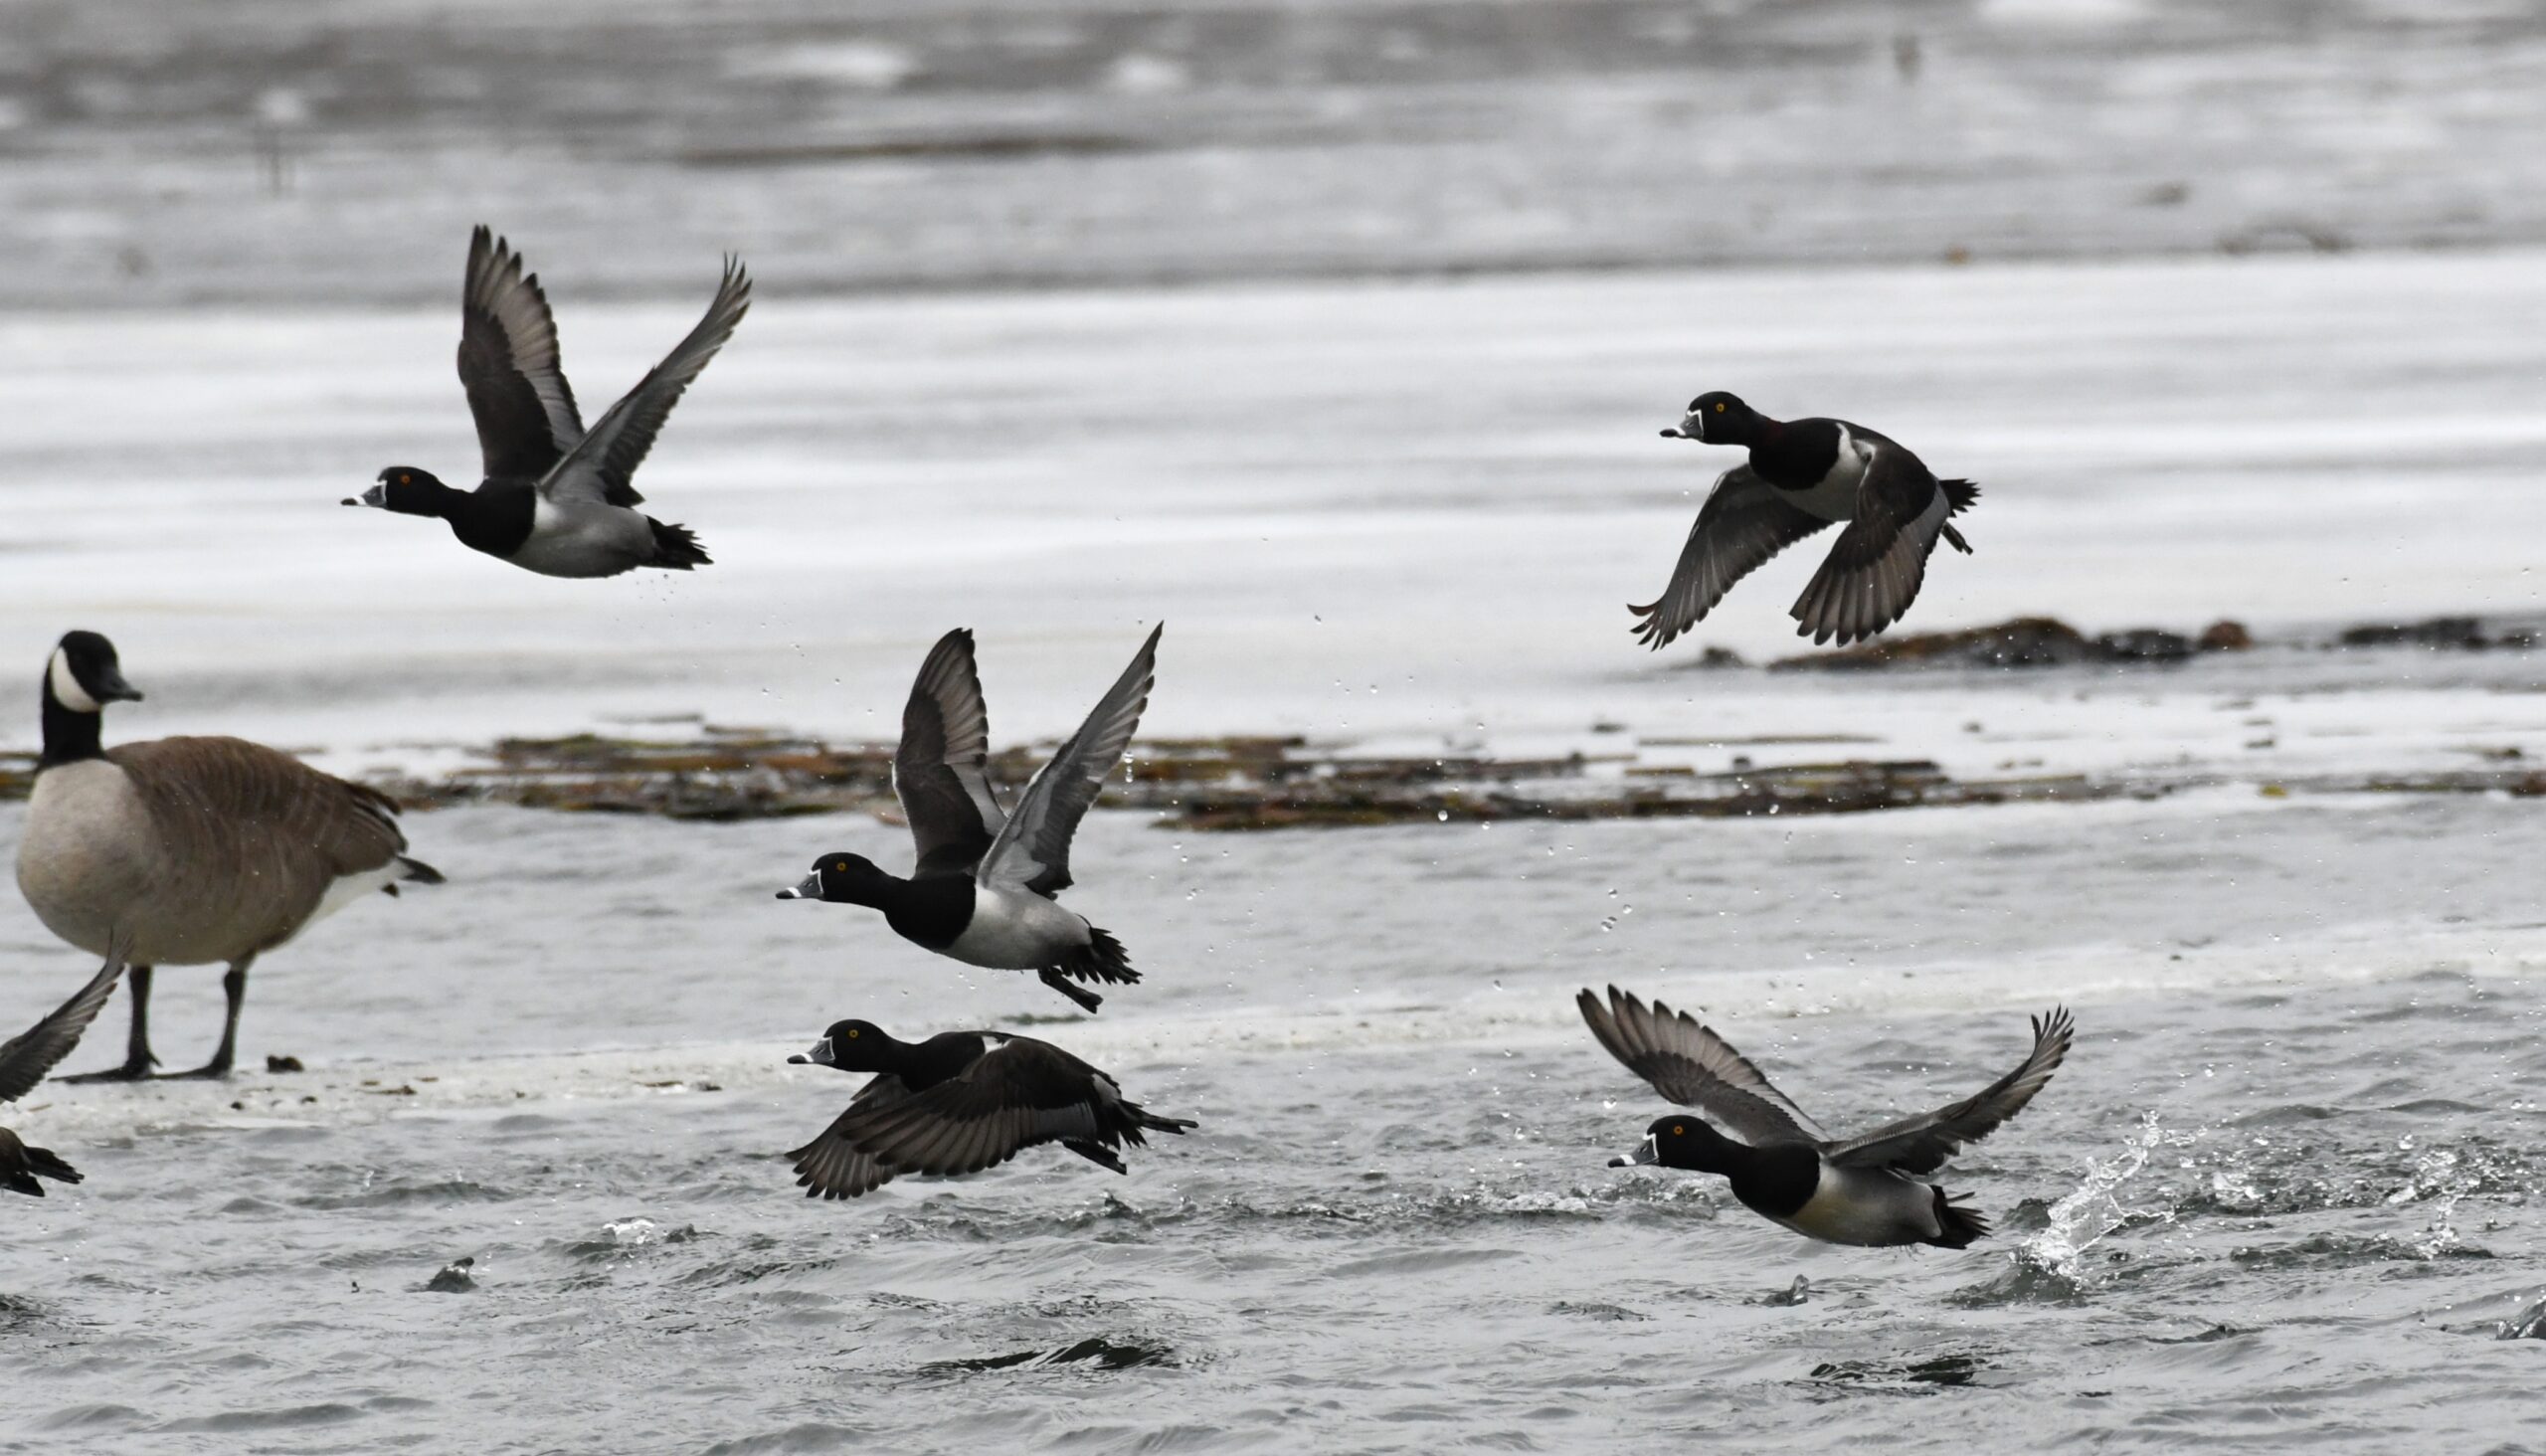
x,y
1851,1191
956,1103
555,499
982,892
1804,474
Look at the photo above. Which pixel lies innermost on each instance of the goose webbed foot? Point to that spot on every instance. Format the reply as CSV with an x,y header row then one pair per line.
x,y
130,1071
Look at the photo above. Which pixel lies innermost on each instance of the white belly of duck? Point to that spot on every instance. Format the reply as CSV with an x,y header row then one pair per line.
x,y
1835,498
1016,930
1854,1205
580,539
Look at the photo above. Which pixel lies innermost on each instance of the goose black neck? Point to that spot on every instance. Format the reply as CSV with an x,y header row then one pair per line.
x,y
68,734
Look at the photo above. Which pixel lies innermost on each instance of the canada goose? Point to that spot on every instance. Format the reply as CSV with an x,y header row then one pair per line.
x,y
1867,1189
24,1060
956,1104
982,889
1804,474
555,499
200,849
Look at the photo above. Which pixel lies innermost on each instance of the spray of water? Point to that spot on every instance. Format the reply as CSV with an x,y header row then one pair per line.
x,y
2085,1215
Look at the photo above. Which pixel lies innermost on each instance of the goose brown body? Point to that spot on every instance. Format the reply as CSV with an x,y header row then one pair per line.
x,y
188,850
201,850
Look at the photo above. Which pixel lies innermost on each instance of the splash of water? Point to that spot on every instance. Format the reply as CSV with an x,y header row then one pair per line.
x,y
2092,1210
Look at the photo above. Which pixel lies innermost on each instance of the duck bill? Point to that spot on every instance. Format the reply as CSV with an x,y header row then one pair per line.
x,y
377,495
807,889
1645,1154
819,1056
1691,428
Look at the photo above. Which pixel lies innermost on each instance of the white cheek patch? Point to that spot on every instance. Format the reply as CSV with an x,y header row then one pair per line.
x,y
66,687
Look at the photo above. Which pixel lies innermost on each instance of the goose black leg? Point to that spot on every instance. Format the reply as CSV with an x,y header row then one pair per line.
x,y
138,1060
1088,1000
234,985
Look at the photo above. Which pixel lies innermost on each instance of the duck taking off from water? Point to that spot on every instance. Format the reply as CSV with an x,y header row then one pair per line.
x,y
1802,475
1867,1190
557,499
961,1102
982,889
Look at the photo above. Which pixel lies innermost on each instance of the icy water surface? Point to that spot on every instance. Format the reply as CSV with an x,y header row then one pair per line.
x,y
2285,1190
2283,1194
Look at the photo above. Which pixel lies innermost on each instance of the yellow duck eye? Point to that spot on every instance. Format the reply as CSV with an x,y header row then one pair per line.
x,y
852,1033
402,478
1718,407
841,866
1678,1131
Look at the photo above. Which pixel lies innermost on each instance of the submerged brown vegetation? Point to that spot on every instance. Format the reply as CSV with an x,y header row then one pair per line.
x,y
1257,782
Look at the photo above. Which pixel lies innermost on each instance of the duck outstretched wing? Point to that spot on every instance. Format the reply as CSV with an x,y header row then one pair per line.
x,y
941,767
26,1057
1743,524
1875,567
510,365
1693,1066
1921,1144
599,468
1015,1096
1033,852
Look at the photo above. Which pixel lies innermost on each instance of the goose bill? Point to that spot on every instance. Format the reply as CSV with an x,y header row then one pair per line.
x,y
111,688
1646,1153
809,888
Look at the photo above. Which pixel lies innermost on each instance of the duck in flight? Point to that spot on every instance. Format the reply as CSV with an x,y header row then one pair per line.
x,y
961,1102
1867,1190
1804,475
984,886
27,1056
557,499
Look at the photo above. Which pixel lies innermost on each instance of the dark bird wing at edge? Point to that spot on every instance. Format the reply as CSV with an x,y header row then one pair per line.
x,y
1018,1095
1033,849
26,1058
1875,567
510,365
600,466
940,768
831,1165
1921,1144
1743,524
1693,1066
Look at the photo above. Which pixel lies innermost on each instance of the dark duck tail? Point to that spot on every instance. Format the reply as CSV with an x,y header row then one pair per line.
x,y
1102,961
675,549
1124,1123
18,1174
1958,1227
1960,495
